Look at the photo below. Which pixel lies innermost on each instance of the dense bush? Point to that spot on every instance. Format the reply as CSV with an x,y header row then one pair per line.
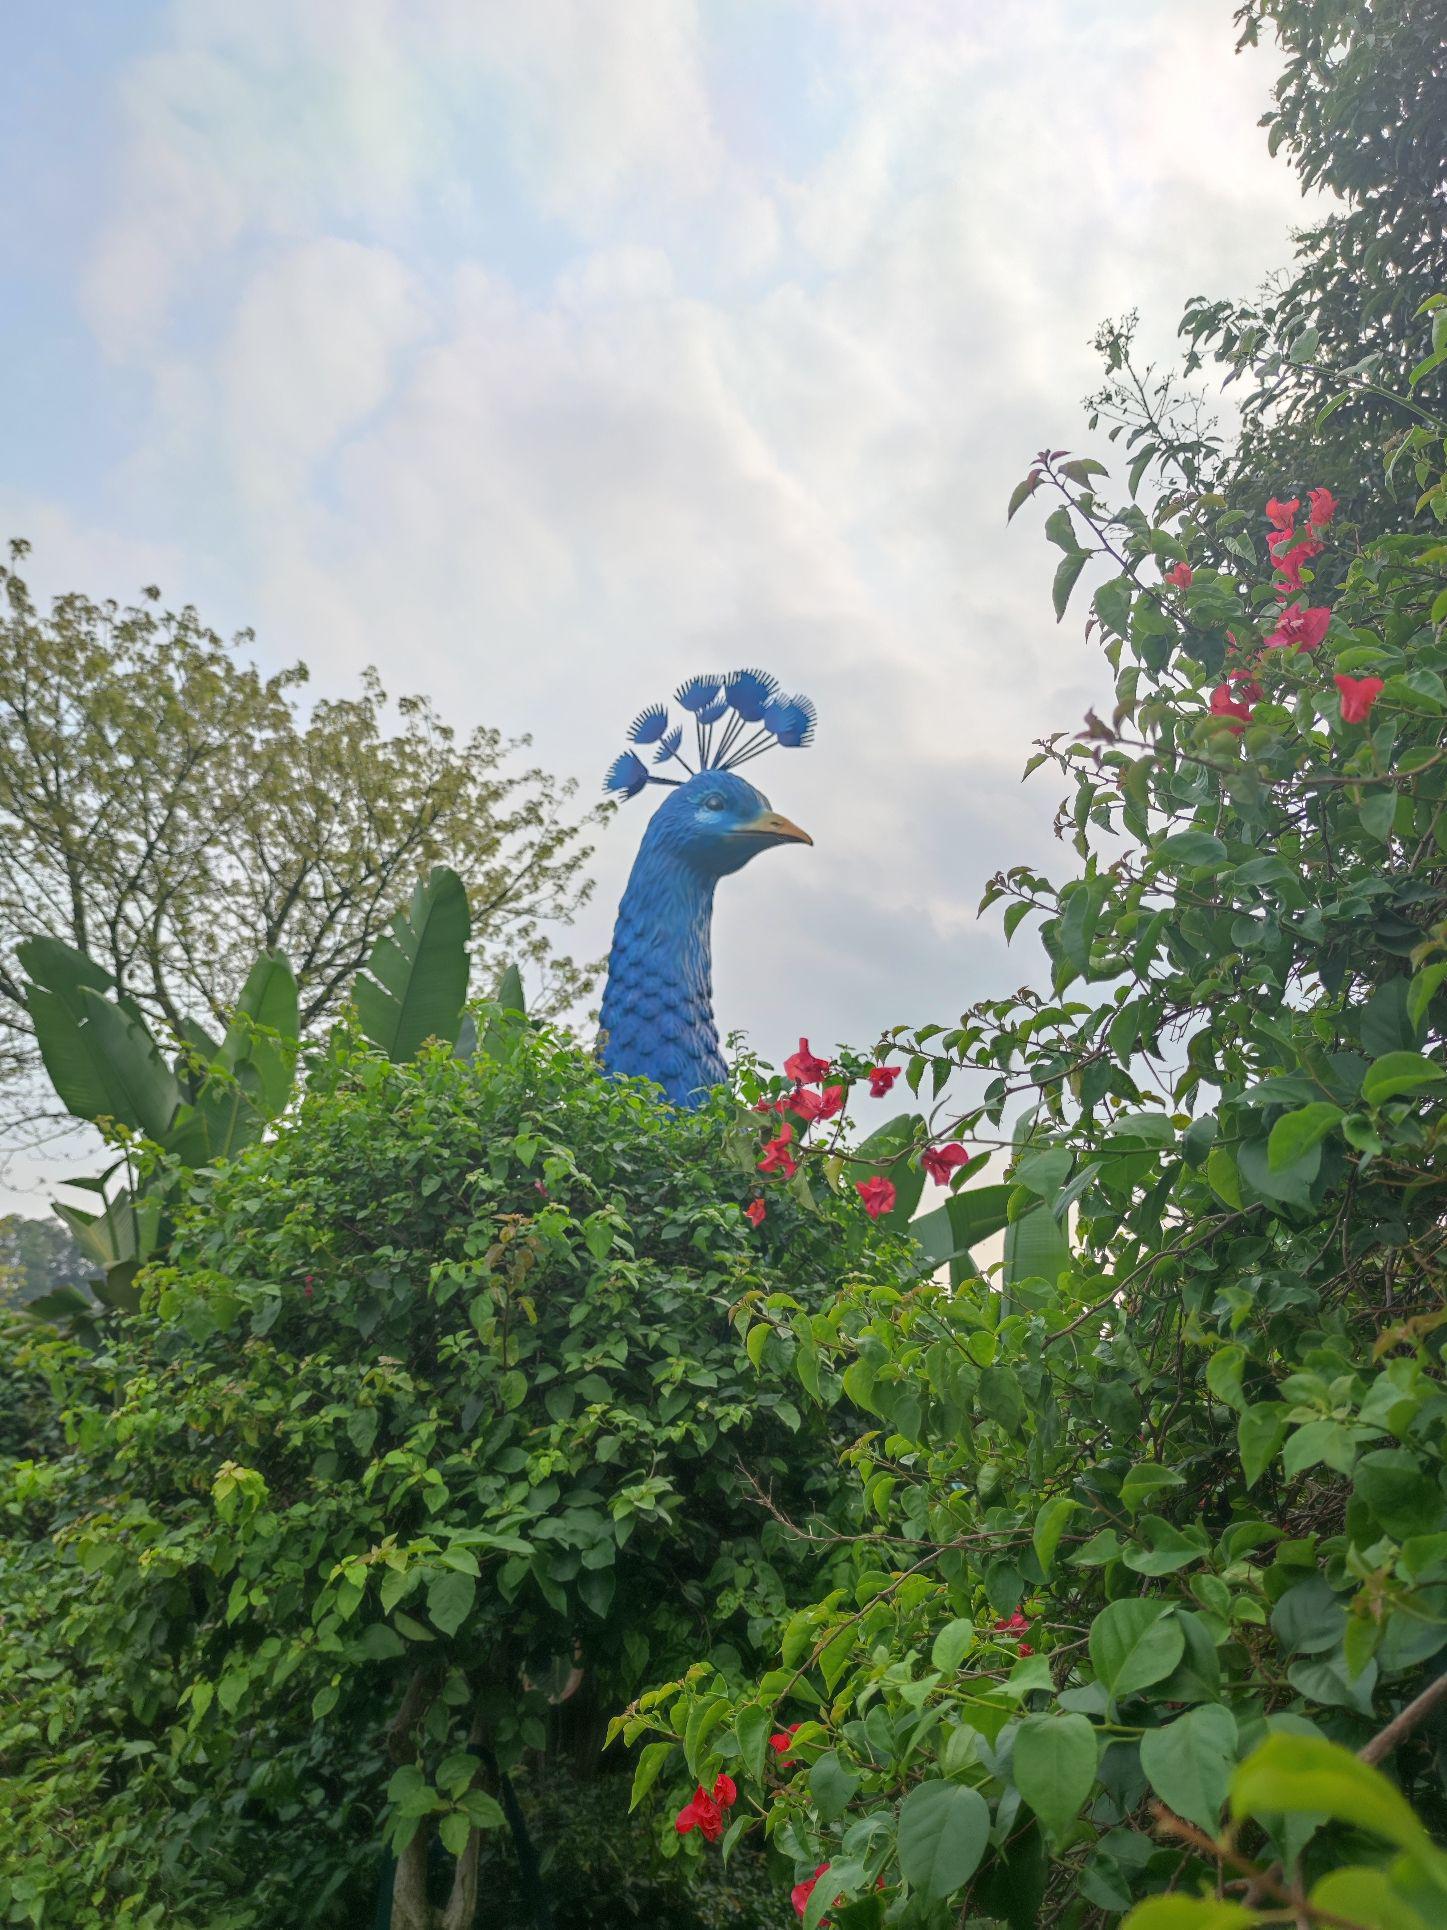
x,y
1158,1569
436,1401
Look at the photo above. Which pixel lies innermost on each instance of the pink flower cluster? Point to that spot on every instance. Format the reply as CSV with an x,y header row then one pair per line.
x,y
1300,626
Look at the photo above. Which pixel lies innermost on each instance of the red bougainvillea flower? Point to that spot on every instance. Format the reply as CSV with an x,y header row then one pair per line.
x,y
1321,507
941,1161
1300,629
1358,694
881,1078
806,1103
1225,703
704,1812
1008,1624
701,1813
803,1068
1282,515
776,1156
1250,691
1181,577
831,1100
780,1743
756,1212
800,1894
1025,1649
772,1105
877,1193
1289,565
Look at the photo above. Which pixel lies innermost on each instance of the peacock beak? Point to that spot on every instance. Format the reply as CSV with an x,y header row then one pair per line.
x,y
770,824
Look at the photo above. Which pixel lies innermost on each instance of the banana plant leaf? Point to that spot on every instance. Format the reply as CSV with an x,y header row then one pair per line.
x,y
415,983
65,988
264,1031
949,1232
886,1151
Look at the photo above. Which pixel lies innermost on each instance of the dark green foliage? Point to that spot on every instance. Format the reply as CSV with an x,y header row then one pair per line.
x,y
438,1391
1160,1508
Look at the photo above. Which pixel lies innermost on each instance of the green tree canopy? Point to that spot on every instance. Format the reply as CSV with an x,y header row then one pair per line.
x,y
170,811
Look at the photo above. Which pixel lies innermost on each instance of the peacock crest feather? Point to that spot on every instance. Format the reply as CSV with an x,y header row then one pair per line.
x,y
736,718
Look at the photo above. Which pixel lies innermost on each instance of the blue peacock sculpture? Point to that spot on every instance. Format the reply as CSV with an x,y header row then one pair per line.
x,y
657,1017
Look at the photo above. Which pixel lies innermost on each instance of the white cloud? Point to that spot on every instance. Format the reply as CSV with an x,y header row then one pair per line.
x,y
485,346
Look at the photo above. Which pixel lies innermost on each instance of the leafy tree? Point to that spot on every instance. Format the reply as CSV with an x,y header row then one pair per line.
x,y
37,1257
437,1399
1155,1596
167,810
1360,108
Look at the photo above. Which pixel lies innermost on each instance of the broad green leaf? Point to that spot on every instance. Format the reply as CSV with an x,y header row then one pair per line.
x,y
1036,1248
832,1787
1188,1913
1189,1763
449,1600
1055,1760
1066,576
952,1645
1400,1072
1188,849
1147,1479
1295,1133
1049,1526
268,1000
416,979
1223,1374
1134,1642
943,1830
1294,1775
1367,1897
651,1758
753,1729
1259,1434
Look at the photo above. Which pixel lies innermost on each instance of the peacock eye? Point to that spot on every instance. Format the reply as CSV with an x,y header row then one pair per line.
x,y
714,803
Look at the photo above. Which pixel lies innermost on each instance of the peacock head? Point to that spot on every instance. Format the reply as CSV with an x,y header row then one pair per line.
x,y
715,820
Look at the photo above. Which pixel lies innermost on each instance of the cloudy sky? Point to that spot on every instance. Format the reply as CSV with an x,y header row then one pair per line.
x,y
544,354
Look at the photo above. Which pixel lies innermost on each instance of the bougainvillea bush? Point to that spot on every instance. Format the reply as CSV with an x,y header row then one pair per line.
x,y
431,1444
1151,1616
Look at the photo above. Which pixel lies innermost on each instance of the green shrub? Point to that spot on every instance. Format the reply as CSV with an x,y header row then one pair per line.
x,y
437,1396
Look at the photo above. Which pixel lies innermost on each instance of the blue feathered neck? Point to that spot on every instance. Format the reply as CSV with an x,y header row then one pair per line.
x,y
657,1016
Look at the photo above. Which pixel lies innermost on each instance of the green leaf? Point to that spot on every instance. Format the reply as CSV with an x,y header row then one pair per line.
x,y
753,1729
1306,1775
952,1645
1021,493
651,1758
1188,1913
1035,1248
1134,1642
832,1787
450,1596
1049,1526
268,1000
1060,530
454,1830
1189,1763
1144,1480
1186,850
1223,1375
1296,1133
1367,1897
1259,1434
1055,1760
417,981
1067,575
943,1830
1399,1072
